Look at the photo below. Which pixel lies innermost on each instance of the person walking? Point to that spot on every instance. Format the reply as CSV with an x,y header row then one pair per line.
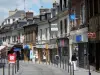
x,y
74,60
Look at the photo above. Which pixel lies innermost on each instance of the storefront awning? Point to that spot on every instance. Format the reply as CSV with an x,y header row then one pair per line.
x,y
17,49
2,47
26,47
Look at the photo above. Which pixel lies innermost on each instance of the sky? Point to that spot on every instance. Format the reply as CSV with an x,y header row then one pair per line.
x,y
30,5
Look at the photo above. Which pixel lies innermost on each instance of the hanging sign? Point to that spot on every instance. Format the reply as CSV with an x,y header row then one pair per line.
x,y
91,35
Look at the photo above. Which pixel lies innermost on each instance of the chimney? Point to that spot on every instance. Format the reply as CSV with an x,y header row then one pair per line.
x,y
55,4
12,12
29,15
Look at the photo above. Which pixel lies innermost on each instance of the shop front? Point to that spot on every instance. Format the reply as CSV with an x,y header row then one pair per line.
x,y
80,47
53,50
42,53
63,48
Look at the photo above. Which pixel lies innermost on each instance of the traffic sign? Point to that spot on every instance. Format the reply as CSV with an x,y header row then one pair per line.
x,y
12,58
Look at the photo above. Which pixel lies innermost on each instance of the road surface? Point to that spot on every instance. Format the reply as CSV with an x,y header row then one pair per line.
x,y
39,69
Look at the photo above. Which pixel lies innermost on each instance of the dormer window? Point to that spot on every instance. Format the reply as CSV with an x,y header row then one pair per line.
x,y
13,20
8,20
19,18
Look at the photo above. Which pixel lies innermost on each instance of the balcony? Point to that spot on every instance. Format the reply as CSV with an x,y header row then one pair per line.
x,y
78,27
65,35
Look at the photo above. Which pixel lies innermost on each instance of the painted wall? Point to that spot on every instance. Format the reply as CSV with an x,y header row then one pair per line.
x,y
44,36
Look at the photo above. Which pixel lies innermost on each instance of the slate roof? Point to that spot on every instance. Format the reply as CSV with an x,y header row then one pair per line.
x,y
17,14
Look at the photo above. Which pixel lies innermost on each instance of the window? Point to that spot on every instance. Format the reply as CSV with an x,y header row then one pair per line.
x,y
83,13
26,37
19,18
46,30
96,7
61,27
64,3
99,5
61,5
43,17
41,34
65,23
91,8
13,20
8,20
32,35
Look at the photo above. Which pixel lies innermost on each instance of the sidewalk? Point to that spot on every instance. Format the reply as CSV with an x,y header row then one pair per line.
x,y
79,71
6,68
82,71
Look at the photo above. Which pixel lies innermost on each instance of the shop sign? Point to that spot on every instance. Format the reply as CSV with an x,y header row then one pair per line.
x,y
12,58
40,46
91,35
78,38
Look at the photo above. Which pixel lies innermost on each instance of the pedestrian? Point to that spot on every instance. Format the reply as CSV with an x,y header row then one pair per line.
x,y
74,60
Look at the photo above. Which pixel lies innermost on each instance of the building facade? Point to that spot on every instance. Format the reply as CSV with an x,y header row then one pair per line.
x,y
79,32
93,22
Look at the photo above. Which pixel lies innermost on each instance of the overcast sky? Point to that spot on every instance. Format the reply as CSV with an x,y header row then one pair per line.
x,y
32,5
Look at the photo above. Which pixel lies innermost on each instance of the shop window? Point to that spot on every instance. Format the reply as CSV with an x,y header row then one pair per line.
x,y
41,34
65,51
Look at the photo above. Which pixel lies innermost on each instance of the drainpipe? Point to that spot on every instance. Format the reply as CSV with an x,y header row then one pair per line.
x,y
70,41
49,40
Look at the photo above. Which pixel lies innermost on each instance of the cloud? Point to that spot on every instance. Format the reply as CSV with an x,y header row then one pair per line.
x,y
49,1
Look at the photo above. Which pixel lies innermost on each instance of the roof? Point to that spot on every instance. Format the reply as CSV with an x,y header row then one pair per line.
x,y
2,47
17,14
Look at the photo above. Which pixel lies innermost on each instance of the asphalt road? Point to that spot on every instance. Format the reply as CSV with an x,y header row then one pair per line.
x,y
39,69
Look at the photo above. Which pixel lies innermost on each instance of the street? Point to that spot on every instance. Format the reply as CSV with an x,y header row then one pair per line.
x,y
39,69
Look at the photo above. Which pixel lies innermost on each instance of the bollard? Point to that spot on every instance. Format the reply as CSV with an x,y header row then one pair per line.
x,y
12,69
73,68
9,69
15,67
60,62
68,67
18,64
3,69
70,70
65,64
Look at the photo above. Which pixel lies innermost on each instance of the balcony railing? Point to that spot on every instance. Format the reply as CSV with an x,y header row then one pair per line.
x,y
78,27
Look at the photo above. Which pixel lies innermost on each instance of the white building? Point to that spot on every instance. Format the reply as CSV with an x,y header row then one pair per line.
x,y
12,28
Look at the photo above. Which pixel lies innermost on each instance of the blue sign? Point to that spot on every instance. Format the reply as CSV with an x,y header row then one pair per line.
x,y
72,17
17,49
78,38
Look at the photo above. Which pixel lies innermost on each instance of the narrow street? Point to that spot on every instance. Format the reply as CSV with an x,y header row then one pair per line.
x,y
39,69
